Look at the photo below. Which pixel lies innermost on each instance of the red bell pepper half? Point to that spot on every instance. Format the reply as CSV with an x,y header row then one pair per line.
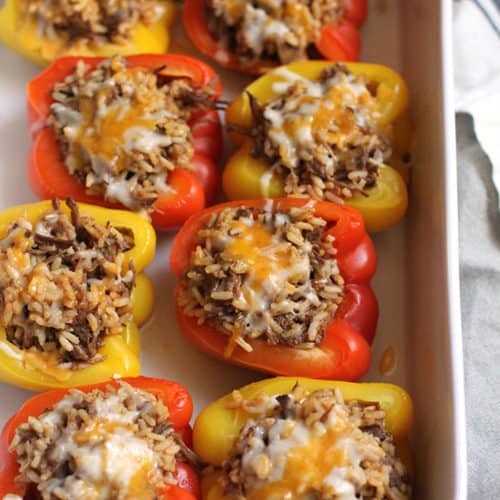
x,y
173,395
191,190
344,353
337,42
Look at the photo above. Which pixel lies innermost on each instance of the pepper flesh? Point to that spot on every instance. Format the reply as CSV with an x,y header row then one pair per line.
x,y
121,352
23,37
191,191
344,353
385,203
173,395
340,42
218,426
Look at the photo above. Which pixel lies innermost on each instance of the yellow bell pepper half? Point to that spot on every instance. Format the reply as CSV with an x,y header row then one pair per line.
x,y
218,426
23,36
246,177
121,352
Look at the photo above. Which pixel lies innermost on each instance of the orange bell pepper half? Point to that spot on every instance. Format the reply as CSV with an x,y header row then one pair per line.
x,y
337,42
344,353
49,176
174,396
382,205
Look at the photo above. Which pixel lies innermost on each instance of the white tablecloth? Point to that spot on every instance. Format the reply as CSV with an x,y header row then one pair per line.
x,y
477,76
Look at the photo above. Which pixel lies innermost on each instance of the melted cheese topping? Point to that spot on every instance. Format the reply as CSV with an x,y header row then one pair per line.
x,y
107,129
107,453
302,473
304,460
102,130
325,112
100,452
271,263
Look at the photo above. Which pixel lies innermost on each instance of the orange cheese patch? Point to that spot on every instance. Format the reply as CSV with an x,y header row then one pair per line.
x,y
306,469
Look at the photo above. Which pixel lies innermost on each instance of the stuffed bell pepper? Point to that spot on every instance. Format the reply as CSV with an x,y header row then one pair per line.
x,y
43,30
116,440
326,131
72,293
303,439
258,35
140,132
281,286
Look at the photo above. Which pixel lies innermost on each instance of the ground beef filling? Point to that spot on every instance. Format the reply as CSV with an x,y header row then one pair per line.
x,y
322,137
279,31
122,130
313,445
62,285
116,444
266,274
91,22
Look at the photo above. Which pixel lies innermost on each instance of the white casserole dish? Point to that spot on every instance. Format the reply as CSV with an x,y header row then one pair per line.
x,y
417,279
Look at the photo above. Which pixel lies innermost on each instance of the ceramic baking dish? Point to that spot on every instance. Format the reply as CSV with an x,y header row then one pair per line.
x,y
417,280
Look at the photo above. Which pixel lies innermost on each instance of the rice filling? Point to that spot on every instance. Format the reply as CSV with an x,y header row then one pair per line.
x,y
65,285
281,31
122,129
116,443
91,22
266,274
307,445
322,137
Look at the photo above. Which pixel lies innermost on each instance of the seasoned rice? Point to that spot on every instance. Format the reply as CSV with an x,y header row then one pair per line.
x,y
264,274
65,285
122,129
91,22
322,138
357,454
271,30
116,443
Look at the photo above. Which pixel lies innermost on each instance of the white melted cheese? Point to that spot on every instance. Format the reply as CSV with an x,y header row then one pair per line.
x,y
265,182
269,261
275,28
222,56
290,77
301,459
106,451
253,27
324,107
119,190
115,461
277,449
259,27
144,139
10,352
99,134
